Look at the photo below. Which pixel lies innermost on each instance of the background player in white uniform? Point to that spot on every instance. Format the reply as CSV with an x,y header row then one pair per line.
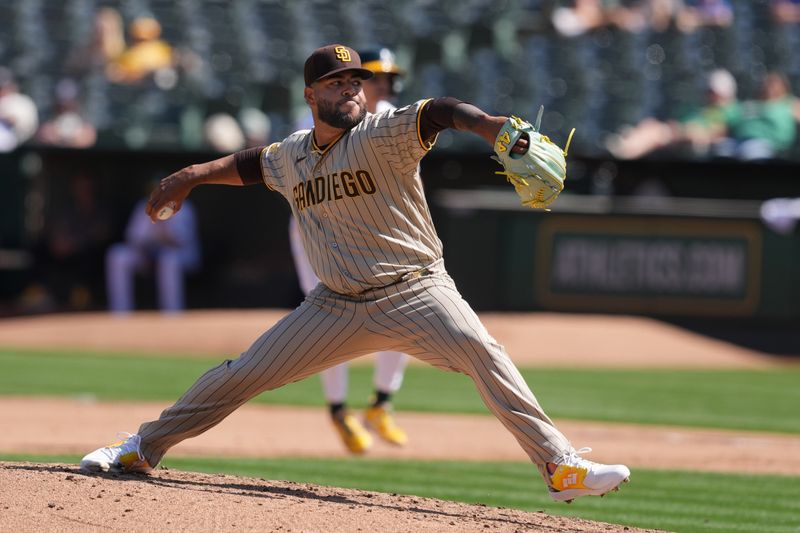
x,y
389,365
353,184
171,249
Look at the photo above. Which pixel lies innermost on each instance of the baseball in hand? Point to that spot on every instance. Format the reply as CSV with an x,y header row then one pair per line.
x,y
167,211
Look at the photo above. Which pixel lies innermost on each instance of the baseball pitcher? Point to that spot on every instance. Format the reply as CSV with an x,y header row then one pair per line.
x,y
354,188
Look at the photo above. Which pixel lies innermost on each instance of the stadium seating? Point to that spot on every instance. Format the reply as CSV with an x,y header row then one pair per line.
x,y
505,57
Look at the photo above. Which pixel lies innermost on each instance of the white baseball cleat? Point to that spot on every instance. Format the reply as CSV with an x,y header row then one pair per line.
x,y
575,477
123,456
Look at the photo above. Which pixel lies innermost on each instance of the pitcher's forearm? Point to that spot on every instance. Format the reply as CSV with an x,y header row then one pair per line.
x,y
470,118
220,171
173,189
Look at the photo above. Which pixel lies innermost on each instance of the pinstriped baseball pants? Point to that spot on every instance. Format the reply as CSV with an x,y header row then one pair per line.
x,y
425,317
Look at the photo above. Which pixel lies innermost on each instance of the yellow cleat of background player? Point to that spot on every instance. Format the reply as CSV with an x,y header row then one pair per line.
x,y
353,434
380,420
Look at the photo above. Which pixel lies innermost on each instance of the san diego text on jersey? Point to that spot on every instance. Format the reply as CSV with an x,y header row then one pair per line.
x,y
335,186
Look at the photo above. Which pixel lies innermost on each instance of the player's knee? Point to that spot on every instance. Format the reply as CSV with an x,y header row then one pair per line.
x,y
119,256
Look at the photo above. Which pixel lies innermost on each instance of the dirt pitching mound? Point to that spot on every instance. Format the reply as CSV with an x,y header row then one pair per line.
x,y
56,497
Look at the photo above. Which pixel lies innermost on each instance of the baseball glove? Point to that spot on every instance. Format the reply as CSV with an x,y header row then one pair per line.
x,y
537,175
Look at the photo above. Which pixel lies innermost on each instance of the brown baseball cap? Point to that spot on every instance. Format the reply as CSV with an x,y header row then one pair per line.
x,y
330,60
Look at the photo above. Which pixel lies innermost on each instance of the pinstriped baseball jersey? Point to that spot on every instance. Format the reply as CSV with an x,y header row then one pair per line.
x,y
359,201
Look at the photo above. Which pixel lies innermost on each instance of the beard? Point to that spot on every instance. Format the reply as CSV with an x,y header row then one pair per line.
x,y
330,115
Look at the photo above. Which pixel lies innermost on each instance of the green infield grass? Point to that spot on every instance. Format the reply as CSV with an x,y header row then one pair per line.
x,y
667,500
763,400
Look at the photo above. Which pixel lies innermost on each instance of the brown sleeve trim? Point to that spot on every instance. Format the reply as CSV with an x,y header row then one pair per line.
x,y
436,116
426,142
248,165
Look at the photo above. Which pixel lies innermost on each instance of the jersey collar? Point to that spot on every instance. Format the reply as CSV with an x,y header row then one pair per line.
x,y
315,149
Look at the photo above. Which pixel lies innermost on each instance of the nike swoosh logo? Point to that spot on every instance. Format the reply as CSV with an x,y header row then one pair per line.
x,y
299,159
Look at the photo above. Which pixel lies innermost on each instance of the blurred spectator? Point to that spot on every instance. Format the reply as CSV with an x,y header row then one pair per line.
x,y
69,260
786,11
69,126
632,16
660,15
19,117
105,45
171,248
223,133
146,56
256,126
663,14
764,128
695,130
785,34
697,13
580,17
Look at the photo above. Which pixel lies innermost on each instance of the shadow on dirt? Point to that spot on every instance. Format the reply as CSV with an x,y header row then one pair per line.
x,y
263,488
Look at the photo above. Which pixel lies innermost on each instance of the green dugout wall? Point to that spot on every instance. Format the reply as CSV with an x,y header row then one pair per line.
x,y
679,257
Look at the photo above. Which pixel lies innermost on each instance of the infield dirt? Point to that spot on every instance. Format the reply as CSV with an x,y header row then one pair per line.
x,y
185,501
